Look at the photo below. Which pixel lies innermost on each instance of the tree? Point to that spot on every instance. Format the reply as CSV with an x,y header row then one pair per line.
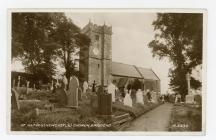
x,y
31,42
179,38
70,39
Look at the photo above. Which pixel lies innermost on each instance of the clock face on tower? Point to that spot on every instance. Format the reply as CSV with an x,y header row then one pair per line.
x,y
95,51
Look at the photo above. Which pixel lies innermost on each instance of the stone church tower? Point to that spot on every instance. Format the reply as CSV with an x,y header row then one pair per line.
x,y
96,60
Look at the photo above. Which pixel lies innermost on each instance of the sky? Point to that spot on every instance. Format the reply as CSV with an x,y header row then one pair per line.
x,y
131,34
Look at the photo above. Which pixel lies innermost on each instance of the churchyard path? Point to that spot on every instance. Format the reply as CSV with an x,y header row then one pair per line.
x,y
154,120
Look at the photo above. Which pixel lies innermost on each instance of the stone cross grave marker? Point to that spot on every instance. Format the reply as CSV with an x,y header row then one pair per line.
x,y
72,100
15,99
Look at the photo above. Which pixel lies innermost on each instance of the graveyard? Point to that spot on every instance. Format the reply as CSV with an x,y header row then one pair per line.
x,y
49,110
53,109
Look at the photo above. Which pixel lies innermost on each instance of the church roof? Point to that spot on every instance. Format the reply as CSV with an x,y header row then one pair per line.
x,y
125,70
147,73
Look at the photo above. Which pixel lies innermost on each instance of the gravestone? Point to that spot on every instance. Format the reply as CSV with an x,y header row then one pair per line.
x,y
178,98
189,99
154,97
57,83
72,100
79,94
128,100
18,84
51,88
99,90
94,102
105,105
65,82
111,90
15,99
85,86
27,87
198,99
88,93
139,97
61,96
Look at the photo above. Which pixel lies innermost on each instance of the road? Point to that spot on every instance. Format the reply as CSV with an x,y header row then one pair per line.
x,y
154,120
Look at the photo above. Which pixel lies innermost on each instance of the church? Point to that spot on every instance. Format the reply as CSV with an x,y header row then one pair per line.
x,y
95,63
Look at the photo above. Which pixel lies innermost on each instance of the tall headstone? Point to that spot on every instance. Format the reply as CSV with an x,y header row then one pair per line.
x,y
79,94
72,100
65,82
153,97
18,84
105,105
15,99
139,96
51,88
188,82
190,97
111,90
85,86
127,99
27,87
178,98
57,83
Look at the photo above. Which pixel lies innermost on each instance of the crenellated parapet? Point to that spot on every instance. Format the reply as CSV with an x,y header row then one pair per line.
x,y
97,28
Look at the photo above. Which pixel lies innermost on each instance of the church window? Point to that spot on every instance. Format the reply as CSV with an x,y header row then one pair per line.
x,y
98,66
